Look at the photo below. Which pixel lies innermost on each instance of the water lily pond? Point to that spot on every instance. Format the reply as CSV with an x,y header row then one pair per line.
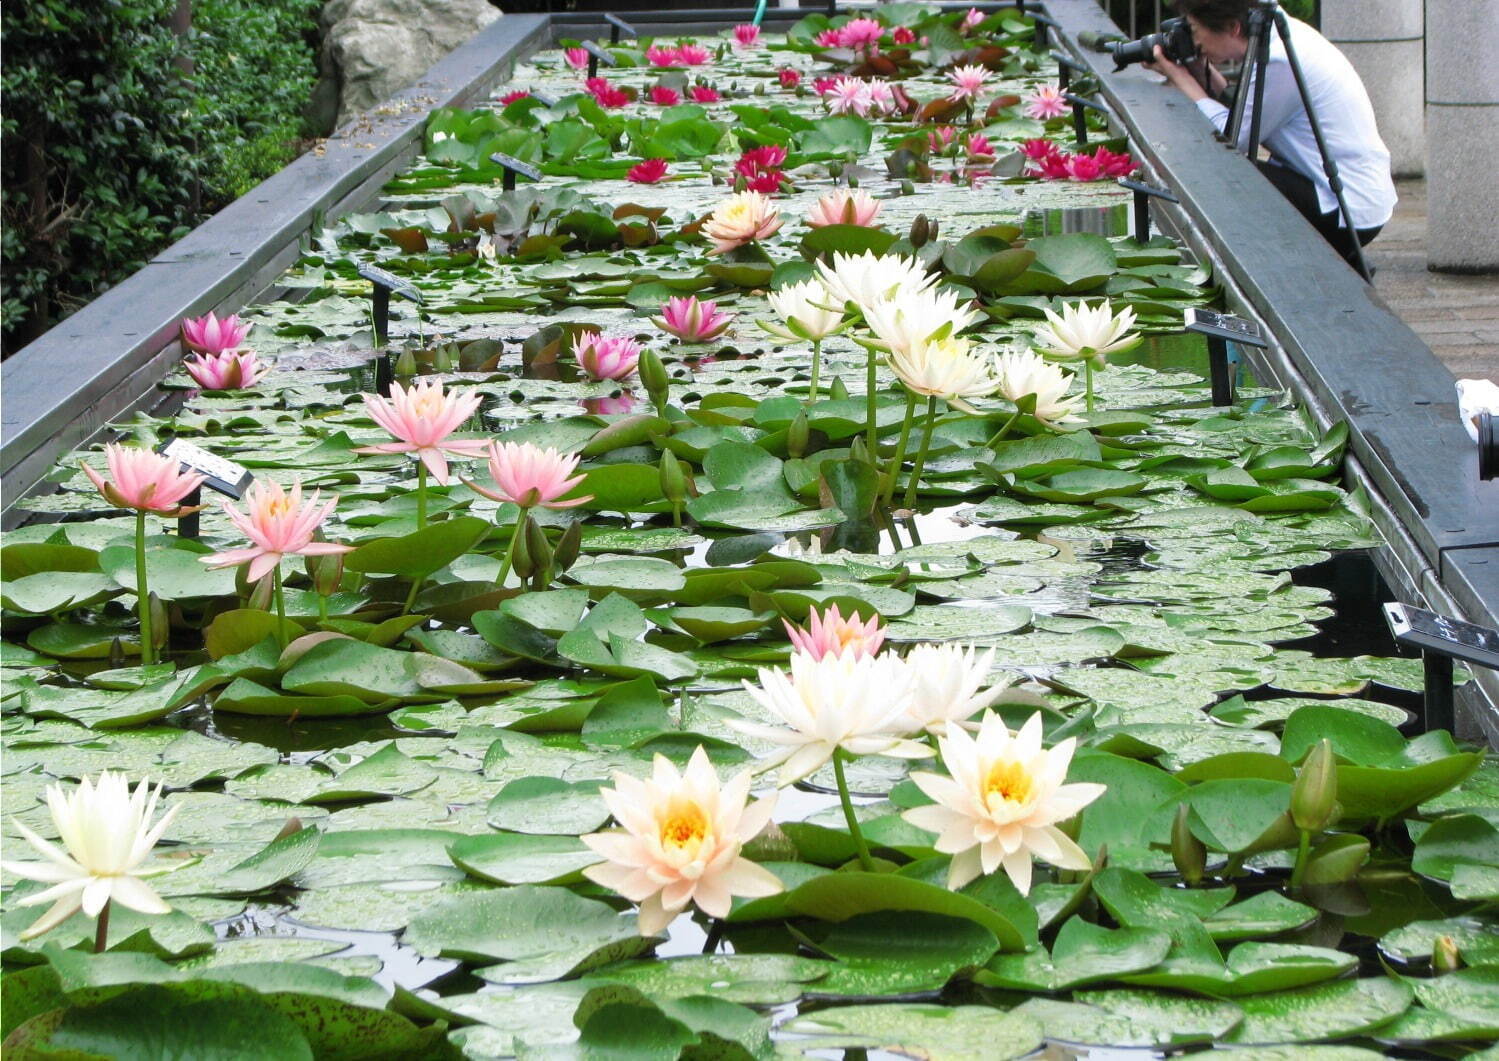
x,y
1083,763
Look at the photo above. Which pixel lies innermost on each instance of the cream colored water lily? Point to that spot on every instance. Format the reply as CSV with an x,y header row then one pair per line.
x,y
1021,373
867,279
914,315
808,310
946,368
1086,333
947,680
856,703
1001,805
106,834
680,841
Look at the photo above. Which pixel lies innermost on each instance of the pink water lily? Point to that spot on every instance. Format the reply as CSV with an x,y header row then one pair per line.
x,y
577,58
969,82
1085,168
788,77
606,356
844,206
528,476
861,33
970,20
647,172
903,35
210,335
663,96
746,35
278,523
694,55
1046,102
979,147
830,634
421,418
662,55
144,481
692,321
849,95
704,94
225,370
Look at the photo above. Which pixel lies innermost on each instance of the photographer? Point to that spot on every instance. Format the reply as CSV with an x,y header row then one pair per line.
x,y
1338,98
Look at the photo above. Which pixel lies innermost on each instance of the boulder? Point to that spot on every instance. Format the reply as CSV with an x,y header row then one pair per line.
x,y
372,48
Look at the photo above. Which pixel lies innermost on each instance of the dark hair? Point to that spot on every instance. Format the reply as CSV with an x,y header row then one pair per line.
x,y
1217,15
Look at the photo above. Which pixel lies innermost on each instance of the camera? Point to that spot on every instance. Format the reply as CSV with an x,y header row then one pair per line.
x,y
1175,40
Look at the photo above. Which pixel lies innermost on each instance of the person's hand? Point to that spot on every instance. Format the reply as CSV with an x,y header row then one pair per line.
x,y
1177,74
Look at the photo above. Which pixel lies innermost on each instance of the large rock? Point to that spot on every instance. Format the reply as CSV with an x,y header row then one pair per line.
x,y
372,48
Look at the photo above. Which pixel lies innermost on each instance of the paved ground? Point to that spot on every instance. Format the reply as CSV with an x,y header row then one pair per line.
x,y
1457,316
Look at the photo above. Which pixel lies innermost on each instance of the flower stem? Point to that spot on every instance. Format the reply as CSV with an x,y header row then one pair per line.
x,y
899,456
101,933
142,594
322,608
816,368
1303,848
865,862
520,528
1003,431
871,432
416,585
421,495
1088,379
280,606
926,444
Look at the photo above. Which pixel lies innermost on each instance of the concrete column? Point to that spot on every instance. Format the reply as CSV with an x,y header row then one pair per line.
x,y
1382,38
1462,129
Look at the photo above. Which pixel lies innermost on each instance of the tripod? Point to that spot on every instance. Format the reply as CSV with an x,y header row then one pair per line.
x,y
1261,18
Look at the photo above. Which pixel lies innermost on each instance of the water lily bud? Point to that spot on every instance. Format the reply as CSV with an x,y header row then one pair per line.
x,y
405,364
1188,853
1444,955
907,188
797,435
838,391
932,229
1315,792
653,376
260,593
538,546
858,451
116,653
291,828
566,553
673,482
161,627
1336,860
326,573
521,560
919,231
442,359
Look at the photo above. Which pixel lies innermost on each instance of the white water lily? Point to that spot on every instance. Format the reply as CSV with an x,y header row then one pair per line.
x,y
1022,373
805,309
947,679
914,315
679,841
107,834
856,703
1001,805
867,279
946,368
1086,333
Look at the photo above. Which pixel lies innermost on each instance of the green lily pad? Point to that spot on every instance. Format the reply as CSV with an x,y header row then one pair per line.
x,y
940,1033
1324,1011
520,858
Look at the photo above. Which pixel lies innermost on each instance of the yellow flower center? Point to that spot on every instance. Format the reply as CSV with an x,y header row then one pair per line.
x,y
1008,780
684,827
278,506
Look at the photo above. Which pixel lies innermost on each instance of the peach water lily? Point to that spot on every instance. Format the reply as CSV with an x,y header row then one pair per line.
x,y
422,418
107,833
1002,802
147,482
742,218
226,370
210,335
691,320
680,841
831,634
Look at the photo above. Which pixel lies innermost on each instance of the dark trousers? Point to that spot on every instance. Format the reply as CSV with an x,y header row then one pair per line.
x,y
1302,194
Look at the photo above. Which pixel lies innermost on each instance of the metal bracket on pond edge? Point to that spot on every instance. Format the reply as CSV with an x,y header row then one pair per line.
x,y
1441,640
221,475
1143,194
596,55
1079,119
1221,329
512,166
543,98
1065,66
617,26
382,284
1044,25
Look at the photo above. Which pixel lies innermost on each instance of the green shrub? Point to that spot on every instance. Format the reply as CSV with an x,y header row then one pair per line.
x,y
111,150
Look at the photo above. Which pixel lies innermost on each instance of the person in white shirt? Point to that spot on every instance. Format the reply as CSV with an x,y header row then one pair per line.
x,y
1338,97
